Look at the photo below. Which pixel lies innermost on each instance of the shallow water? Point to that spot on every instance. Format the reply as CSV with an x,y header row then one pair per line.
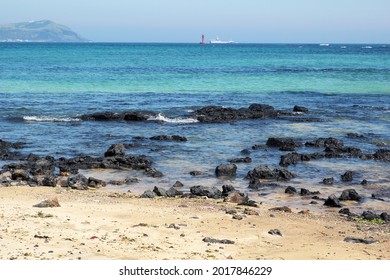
x,y
45,88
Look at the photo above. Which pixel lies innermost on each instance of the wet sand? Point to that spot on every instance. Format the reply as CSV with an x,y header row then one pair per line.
x,y
105,224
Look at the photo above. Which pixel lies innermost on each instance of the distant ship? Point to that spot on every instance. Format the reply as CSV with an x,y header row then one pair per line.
x,y
218,41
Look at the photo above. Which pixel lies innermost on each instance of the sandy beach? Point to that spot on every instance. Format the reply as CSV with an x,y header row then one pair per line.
x,y
104,224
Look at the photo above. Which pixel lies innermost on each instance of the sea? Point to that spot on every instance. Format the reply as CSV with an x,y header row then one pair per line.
x,y
46,87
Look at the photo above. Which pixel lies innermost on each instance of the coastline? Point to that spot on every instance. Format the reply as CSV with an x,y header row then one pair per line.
x,y
105,224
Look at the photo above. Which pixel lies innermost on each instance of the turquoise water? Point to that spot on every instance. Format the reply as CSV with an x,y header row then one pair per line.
x,y
45,88
192,68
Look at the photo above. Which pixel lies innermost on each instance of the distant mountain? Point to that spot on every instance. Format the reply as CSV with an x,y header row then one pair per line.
x,y
38,31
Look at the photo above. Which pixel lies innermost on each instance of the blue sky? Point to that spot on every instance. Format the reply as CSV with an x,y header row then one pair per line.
x,y
258,21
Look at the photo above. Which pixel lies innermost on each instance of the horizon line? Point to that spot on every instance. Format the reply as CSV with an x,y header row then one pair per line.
x,y
235,43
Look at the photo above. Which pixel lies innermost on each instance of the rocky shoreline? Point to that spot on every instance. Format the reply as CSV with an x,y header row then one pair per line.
x,y
33,170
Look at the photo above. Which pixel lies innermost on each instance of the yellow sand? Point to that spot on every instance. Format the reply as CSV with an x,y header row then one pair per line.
x,y
103,224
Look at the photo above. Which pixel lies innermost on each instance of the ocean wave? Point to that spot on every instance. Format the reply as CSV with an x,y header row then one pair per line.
x,y
49,119
161,117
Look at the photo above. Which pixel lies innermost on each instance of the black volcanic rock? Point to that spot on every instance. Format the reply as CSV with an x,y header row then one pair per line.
x,y
350,194
328,181
176,138
283,143
325,142
241,160
264,172
210,192
382,154
290,190
226,170
333,201
217,114
116,150
300,109
102,116
347,176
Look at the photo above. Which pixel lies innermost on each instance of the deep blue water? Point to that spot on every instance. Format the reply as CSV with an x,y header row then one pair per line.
x,y
44,88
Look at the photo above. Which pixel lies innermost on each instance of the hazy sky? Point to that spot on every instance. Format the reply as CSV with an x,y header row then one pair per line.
x,y
262,21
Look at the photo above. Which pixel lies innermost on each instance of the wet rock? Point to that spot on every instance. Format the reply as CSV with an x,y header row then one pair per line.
x,y
6,150
220,241
263,172
125,162
255,184
355,136
241,160
290,190
176,138
178,184
245,152
259,147
305,192
153,172
215,114
328,181
290,159
210,192
229,170
275,232
195,173
300,109
160,191
102,116
364,182
286,144
347,176
333,201
78,182
359,240
382,154
137,116
350,194
172,192
281,209
115,150
325,142
48,203
148,194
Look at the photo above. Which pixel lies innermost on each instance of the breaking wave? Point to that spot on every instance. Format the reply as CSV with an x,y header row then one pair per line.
x,y
163,118
49,119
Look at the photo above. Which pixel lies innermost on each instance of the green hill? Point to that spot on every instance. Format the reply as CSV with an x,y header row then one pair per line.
x,y
38,31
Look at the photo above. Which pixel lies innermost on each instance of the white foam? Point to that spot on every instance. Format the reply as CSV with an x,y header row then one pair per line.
x,y
163,118
49,119
367,47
